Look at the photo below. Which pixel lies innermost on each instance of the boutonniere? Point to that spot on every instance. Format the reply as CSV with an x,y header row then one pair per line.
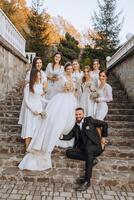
x,y
87,127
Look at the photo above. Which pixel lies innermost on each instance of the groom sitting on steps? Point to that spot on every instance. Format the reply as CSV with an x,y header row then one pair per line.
x,y
87,144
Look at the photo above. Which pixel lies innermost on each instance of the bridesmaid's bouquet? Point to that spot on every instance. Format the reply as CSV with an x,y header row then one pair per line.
x,y
88,85
55,75
94,94
43,115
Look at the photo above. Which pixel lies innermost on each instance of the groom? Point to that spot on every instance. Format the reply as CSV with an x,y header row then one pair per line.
x,y
87,144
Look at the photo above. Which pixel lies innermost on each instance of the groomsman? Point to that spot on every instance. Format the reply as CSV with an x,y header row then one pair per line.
x,y
87,144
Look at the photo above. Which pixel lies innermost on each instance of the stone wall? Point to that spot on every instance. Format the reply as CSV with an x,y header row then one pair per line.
x,y
122,65
12,67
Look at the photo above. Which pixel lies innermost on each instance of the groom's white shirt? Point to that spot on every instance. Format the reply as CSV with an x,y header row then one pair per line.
x,y
80,124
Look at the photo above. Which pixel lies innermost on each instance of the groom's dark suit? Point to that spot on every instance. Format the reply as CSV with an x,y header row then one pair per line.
x,y
87,142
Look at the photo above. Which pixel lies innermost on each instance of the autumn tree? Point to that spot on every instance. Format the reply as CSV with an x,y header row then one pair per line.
x,y
17,12
63,26
69,48
37,39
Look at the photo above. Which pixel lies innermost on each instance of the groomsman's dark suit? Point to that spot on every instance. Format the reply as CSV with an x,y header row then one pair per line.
x,y
87,142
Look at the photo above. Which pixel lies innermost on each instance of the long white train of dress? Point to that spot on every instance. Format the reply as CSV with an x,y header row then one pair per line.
x,y
60,120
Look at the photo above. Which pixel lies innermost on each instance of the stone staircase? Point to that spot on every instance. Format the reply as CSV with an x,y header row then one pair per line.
x,y
115,167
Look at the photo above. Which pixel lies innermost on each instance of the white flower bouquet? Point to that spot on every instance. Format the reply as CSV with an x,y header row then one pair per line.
x,y
43,115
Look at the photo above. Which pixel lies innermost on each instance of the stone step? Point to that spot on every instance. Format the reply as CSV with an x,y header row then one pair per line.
x,y
121,105
19,148
3,108
121,141
11,119
120,99
9,128
121,111
11,102
65,163
67,170
118,117
15,113
10,113
19,102
10,137
111,105
6,123
120,124
121,132
122,137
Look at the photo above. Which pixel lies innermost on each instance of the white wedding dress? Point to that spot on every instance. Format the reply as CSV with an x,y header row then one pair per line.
x,y
53,86
60,120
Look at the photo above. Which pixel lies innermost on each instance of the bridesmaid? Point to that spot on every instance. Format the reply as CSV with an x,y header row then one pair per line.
x,y
88,85
77,73
33,99
37,64
96,70
104,96
54,71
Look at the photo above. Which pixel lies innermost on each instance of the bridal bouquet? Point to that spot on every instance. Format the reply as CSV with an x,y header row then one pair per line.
x,y
43,115
68,87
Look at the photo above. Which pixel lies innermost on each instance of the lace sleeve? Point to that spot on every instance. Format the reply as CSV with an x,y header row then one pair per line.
x,y
108,96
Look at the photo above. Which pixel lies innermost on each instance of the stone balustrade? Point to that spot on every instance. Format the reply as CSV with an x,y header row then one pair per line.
x,y
30,56
9,32
122,65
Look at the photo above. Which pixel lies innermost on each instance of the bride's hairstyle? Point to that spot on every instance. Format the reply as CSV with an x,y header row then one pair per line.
x,y
35,61
76,60
67,65
33,77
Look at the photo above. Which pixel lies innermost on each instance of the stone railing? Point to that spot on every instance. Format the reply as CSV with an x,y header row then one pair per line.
x,y
124,50
9,32
122,65
30,56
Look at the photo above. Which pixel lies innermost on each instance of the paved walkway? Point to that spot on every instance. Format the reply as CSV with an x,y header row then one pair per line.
x,y
48,191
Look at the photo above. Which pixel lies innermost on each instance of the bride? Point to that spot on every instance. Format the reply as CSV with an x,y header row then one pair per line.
x,y
60,120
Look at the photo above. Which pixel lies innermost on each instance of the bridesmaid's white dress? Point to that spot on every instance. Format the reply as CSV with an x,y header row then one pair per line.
x,y
23,106
85,100
105,95
77,76
60,120
53,86
33,102
95,74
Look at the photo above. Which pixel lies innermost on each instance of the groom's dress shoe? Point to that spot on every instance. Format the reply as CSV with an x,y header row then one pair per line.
x,y
80,180
84,186
95,162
